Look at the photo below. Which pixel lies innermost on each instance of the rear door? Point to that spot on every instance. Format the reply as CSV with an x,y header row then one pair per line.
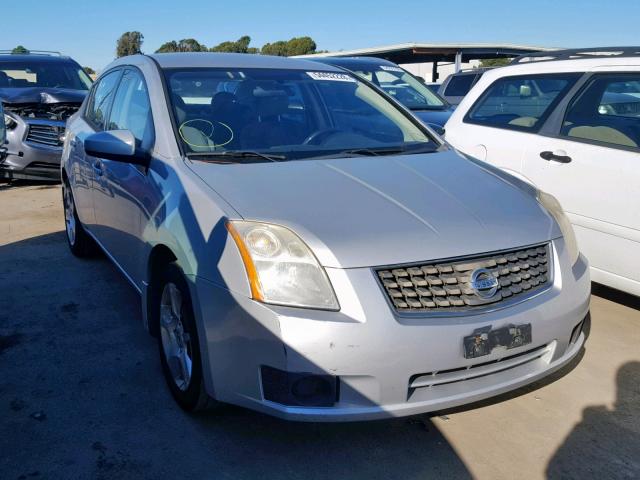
x,y
592,165
121,188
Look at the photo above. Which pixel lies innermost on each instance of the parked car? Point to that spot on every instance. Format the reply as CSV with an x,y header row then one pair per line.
x,y
569,123
3,134
429,107
39,91
457,85
305,247
434,87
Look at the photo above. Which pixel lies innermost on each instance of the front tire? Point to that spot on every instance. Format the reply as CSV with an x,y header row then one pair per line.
x,y
178,342
80,243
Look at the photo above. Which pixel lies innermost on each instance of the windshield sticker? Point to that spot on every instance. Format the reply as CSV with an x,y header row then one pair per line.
x,y
389,68
336,77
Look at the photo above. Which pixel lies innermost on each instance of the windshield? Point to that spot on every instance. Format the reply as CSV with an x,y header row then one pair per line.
x,y
401,85
290,114
23,74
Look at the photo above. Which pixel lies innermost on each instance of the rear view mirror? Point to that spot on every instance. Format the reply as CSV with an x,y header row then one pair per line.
x,y
117,145
525,91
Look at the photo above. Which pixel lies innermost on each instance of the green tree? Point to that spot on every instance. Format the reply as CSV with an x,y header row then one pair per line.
x,y
184,45
19,50
89,70
495,62
289,48
239,46
129,43
278,48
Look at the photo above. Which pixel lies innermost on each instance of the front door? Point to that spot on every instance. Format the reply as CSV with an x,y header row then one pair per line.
x,y
120,187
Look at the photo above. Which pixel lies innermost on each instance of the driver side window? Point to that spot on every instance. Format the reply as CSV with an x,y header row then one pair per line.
x,y
100,101
131,108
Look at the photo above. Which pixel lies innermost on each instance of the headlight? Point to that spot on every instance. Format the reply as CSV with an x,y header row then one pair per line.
x,y
281,269
553,207
9,122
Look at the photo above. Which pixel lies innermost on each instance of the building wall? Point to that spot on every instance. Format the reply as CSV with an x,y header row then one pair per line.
x,y
424,70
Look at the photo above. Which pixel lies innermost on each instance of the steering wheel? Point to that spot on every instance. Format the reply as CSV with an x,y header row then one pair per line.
x,y
317,137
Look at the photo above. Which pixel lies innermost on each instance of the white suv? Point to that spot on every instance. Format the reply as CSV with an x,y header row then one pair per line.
x,y
568,122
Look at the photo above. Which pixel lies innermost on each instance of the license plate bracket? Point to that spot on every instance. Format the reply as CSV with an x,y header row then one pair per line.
x,y
483,340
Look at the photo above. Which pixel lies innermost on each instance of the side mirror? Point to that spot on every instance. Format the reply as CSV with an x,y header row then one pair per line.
x,y
116,145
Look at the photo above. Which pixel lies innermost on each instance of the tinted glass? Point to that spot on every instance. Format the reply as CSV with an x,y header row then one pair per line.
x,y
295,113
21,74
3,128
401,85
459,85
607,111
520,102
131,109
98,106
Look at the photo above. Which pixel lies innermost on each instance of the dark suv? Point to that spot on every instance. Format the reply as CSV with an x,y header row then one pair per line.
x,y
39,92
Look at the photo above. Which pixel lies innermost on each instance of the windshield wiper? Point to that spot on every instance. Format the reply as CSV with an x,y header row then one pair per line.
x,y
205,156
372,152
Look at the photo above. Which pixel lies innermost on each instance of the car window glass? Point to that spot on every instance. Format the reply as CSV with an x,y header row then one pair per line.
x,y
607,111
296,113
519,103
131,109
100,101
43,73
459,85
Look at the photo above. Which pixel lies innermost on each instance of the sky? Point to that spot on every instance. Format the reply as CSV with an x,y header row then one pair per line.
x,y
87,30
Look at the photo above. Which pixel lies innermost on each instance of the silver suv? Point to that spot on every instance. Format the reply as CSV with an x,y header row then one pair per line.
x,y
306,247
39,92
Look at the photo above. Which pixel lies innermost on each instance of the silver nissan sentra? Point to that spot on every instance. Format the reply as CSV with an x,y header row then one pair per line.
x,y
305,247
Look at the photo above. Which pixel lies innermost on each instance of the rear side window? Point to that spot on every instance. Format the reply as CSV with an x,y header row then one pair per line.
x,y
98,106
459,85
606,111
520,103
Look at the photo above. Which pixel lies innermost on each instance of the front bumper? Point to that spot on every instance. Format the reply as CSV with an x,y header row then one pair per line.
x,y
387,366
27,160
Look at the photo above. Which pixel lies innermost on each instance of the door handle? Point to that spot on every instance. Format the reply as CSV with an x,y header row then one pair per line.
x,y
559,156
97,167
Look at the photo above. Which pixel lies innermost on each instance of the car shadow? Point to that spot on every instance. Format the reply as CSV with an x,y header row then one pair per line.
x,y
587,451
6,184
84,395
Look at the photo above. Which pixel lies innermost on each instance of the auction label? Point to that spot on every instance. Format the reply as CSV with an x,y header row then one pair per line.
x,y
336,77
390,68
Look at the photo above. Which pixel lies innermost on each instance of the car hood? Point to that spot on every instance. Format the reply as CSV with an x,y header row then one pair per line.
x,y
370,211
41,95
439,117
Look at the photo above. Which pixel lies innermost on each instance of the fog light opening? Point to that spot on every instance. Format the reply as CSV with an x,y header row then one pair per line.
x,y
299,388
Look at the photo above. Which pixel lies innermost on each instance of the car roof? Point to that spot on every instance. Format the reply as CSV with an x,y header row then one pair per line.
x,y
233,60
560,66
348,62
33,58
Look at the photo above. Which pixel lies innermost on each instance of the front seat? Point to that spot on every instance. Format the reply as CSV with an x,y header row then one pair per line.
x,y
269,129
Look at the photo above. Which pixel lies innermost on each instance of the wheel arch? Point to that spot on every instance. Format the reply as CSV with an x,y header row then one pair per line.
x,y
159,257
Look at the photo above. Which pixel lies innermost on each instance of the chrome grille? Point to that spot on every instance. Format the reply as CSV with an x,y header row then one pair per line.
x,y
45,135
445,286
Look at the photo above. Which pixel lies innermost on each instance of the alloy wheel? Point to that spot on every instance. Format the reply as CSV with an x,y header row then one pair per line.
x,y
176,342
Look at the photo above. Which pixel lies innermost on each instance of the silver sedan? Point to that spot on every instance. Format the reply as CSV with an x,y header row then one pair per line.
x,y
305,247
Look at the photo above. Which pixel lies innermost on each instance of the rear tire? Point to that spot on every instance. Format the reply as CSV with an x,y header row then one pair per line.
x,y
178,342
80,243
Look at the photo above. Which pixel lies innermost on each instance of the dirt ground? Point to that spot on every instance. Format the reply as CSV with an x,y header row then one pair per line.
x,y
82,395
